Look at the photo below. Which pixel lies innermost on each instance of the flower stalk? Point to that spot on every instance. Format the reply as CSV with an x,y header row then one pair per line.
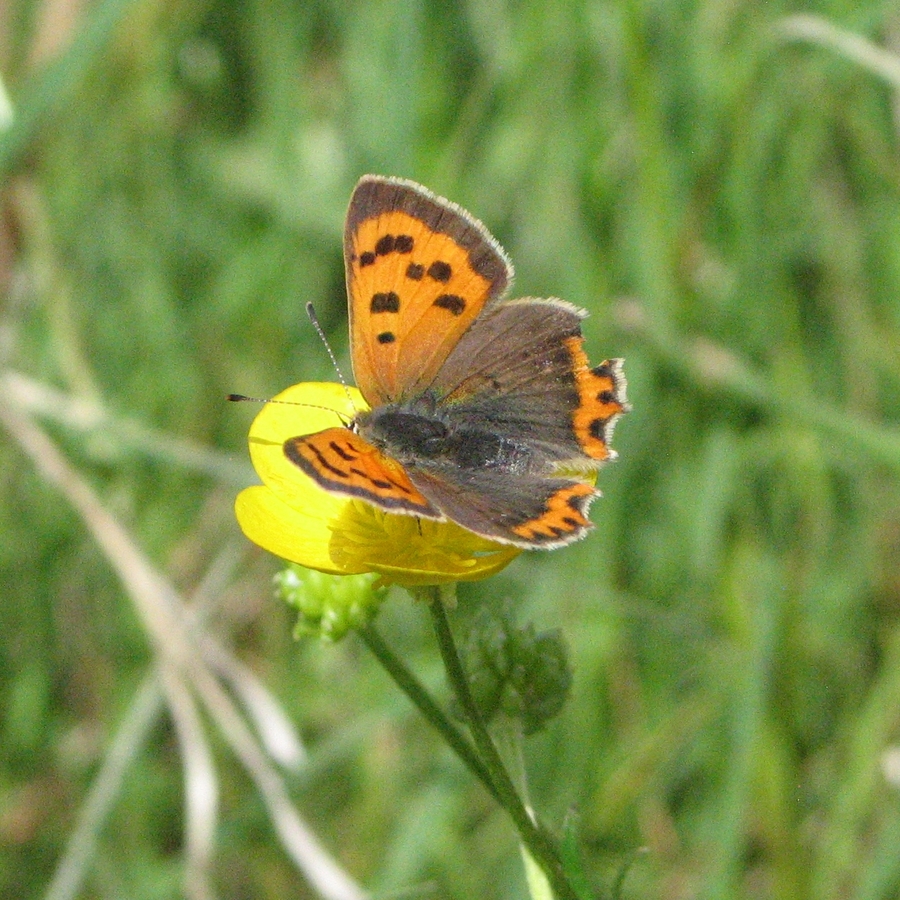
x,y
539,844
410,686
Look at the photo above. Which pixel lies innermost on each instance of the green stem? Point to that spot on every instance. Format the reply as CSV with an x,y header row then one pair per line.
x,y
538,842
407,683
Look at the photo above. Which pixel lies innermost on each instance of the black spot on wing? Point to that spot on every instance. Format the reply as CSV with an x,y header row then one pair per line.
x,y
440,271
453,303
384,245
387,302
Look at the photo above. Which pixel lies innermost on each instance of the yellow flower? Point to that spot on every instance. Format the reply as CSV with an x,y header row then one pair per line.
x,y
291,516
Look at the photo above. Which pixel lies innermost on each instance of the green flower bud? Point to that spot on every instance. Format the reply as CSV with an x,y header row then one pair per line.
x,y
516,672
329,605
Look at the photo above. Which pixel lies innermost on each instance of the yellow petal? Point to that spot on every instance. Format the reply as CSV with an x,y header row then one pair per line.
x,y
299,537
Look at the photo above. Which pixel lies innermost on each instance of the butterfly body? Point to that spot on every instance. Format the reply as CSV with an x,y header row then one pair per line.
x,y
484,410
417,436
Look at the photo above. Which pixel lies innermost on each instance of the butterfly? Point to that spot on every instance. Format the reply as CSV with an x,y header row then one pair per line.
x,y
483,410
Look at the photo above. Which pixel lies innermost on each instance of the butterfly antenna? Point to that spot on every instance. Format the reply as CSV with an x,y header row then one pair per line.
x,y
311,312
243,398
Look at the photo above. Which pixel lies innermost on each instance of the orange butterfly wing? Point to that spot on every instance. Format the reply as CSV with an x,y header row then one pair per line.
x,y
342,462
419,271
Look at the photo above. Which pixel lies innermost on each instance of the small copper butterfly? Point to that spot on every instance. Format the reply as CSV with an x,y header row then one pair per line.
x,y
484,410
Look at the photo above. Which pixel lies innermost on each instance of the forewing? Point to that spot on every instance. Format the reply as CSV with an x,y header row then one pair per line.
x,y
420,270
341,462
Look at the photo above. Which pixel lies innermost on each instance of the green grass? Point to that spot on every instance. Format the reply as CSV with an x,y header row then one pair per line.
x,y
724,200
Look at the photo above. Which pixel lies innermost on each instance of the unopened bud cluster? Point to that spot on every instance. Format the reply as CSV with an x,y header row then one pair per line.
x,y
517,672
328,605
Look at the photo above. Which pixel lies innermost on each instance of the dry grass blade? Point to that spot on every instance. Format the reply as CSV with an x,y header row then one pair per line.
x,y
160,609
201,799
125,745
276,731
87,417
817,30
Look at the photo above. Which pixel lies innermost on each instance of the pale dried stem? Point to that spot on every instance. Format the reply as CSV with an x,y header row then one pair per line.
x,y
125,745
89,417
201,786
818,30
276,731
161,611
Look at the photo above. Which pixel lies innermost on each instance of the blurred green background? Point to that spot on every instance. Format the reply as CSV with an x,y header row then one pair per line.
x,y
717,182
